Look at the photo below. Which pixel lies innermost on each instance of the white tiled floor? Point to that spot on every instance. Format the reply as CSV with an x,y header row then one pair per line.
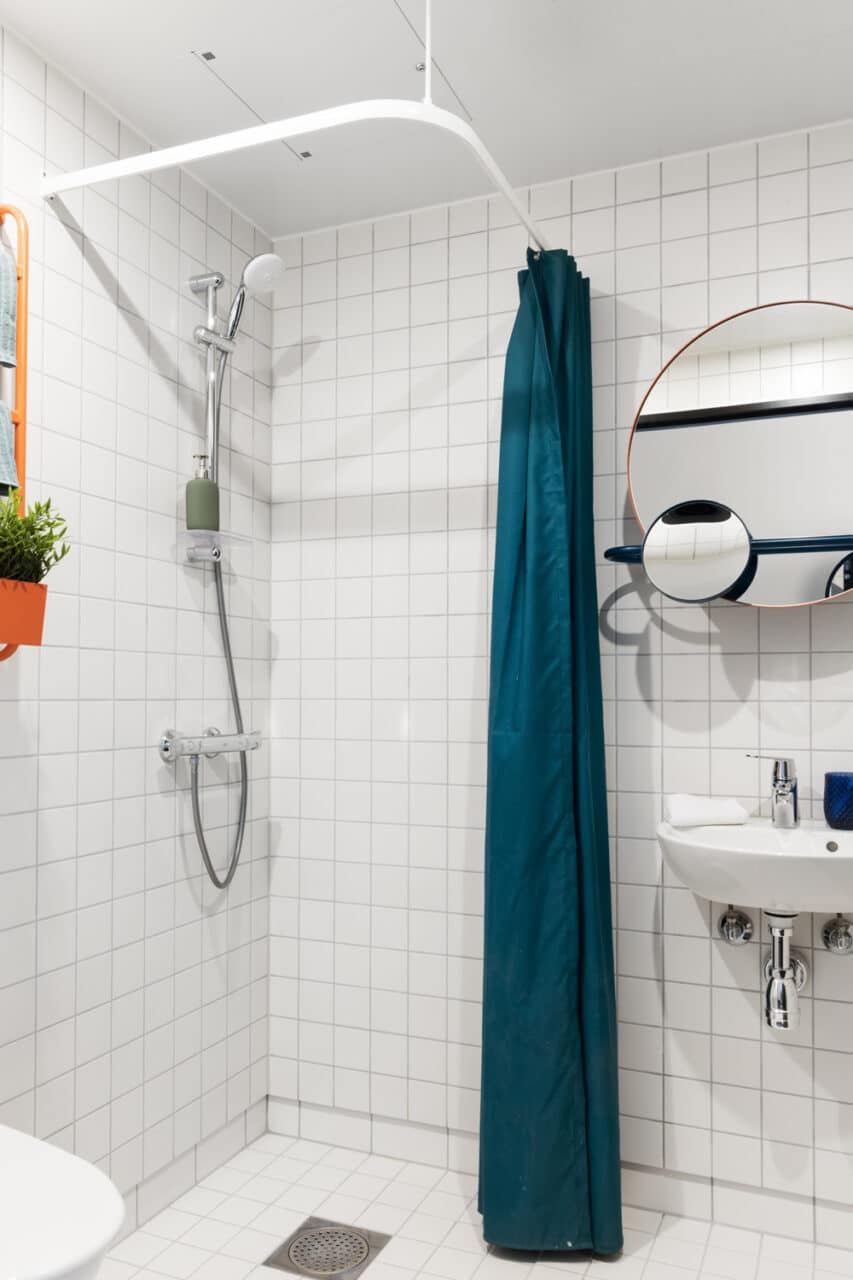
x,y
225,1227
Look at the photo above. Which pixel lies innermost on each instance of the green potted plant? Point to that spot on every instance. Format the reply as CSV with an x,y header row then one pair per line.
x,y
30,545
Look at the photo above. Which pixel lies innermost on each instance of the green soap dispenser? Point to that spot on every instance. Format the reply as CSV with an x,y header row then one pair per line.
x,y
202,497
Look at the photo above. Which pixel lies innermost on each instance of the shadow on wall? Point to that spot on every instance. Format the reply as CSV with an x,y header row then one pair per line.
x,y
138,324
153,350
698,628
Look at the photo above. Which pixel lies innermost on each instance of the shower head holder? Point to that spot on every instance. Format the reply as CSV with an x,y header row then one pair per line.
x,y
209,280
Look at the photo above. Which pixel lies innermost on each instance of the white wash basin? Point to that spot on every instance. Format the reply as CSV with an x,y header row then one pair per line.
x,y
759,865
59,1214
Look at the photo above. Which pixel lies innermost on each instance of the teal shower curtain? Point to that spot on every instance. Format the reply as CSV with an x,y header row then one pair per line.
x,y
549,1156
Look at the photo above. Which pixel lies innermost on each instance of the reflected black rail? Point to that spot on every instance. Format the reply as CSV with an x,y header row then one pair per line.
x,y
702,416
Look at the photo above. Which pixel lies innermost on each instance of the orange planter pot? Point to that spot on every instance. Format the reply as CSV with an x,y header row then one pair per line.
x,y
21,611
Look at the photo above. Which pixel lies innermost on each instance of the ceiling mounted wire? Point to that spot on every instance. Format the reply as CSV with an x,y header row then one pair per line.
x,y
423,112
209,57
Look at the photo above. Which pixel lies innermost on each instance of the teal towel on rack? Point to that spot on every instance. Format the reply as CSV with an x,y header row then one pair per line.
x,y
8,468
8,307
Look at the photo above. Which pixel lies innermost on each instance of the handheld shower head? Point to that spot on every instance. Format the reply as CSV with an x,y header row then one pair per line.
x,y
263,273
260,275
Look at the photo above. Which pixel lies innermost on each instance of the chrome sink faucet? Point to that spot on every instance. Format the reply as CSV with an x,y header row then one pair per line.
x,y
784,799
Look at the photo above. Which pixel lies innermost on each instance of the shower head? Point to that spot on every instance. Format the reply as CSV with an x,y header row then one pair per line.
x,y
260,275
263,273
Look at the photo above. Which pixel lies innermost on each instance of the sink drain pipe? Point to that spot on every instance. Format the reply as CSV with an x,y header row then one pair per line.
x,y
785,975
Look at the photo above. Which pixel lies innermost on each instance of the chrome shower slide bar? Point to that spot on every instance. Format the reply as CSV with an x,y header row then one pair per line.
x,y
211,743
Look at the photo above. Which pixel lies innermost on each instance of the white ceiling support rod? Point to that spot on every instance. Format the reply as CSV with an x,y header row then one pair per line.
x,y
297,127
428,51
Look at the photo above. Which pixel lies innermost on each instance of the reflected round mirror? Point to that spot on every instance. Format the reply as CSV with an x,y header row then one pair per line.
x,y
697,551
755,414
841,578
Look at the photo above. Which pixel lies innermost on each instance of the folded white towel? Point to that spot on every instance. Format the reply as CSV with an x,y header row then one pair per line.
x,y
704,811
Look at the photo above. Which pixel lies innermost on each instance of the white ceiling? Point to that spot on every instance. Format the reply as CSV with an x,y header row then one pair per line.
x,y
554,87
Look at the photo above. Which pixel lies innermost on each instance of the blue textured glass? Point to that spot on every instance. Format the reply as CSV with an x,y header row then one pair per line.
x,y
838,800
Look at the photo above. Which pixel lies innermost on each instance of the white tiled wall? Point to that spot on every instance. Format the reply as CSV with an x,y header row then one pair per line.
x,y
132,997
389,342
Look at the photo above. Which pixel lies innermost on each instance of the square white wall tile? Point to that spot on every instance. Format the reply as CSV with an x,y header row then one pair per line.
x,y
669,245
119,953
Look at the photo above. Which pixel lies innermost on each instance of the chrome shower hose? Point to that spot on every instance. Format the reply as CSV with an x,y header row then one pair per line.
x,y
222,882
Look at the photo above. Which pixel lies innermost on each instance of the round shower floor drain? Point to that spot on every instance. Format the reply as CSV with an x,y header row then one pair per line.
x,y
328,1251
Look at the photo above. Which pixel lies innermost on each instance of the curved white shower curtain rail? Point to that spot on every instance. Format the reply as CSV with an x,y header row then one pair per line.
x,y
298,126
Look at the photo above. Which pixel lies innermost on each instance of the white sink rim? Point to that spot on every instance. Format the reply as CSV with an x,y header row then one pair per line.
x,y
762,866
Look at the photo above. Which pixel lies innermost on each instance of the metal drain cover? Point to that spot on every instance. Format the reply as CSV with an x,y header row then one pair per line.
x,y
324,1249
328,1251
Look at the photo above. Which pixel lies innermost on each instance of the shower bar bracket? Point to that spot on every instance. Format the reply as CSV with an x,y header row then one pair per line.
x,y
210,338
211,743
204,553
425,112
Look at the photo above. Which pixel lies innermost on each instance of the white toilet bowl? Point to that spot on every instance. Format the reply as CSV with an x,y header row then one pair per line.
x,y
58,1213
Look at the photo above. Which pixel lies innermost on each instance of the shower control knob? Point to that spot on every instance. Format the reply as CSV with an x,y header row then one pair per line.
x,y
837,936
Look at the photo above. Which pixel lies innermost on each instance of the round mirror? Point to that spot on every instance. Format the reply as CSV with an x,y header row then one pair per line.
x,y
755,414
697,551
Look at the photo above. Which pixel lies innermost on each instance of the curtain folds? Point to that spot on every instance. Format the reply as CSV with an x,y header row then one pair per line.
x,y
549,1159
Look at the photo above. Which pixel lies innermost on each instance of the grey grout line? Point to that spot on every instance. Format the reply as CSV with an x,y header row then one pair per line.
x,y
649,1266
233,957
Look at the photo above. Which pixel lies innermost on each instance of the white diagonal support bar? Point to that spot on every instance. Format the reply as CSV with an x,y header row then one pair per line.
x,y
298,126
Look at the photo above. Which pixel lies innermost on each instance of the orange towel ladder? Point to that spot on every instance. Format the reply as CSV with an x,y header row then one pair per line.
x,y
19,410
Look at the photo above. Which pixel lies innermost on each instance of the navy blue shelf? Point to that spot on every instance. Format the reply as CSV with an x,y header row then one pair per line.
x,y
761,546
